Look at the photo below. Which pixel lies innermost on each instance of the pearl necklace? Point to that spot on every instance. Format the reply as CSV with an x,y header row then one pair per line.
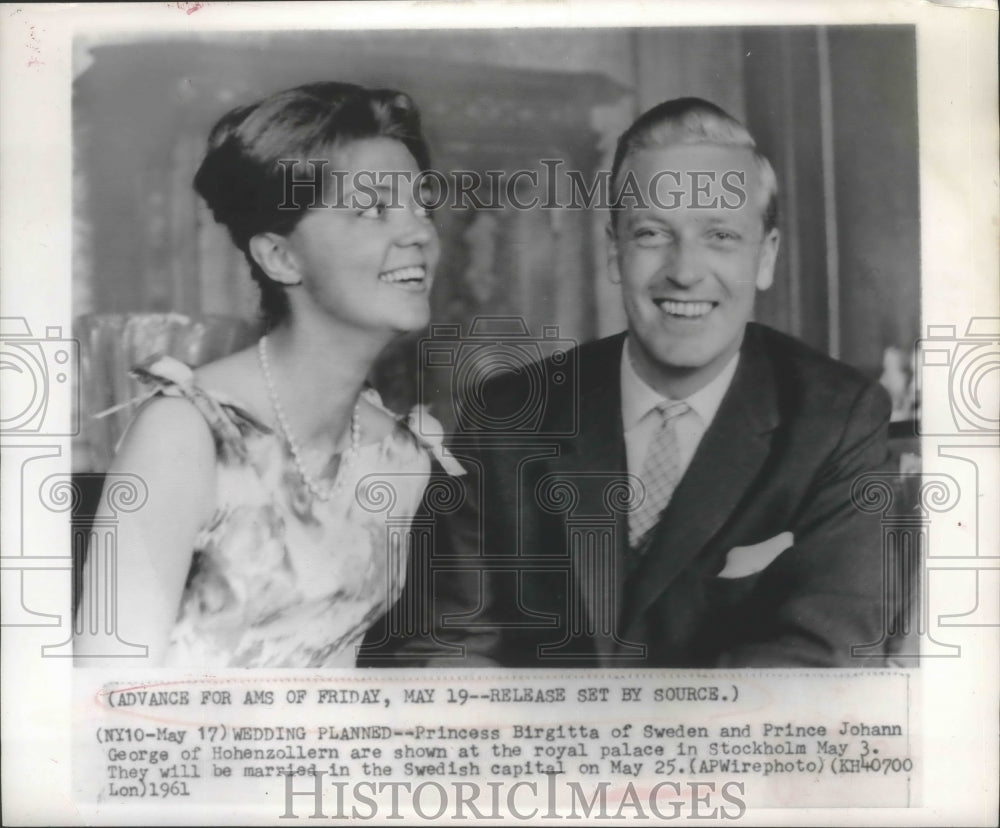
x,y
349,458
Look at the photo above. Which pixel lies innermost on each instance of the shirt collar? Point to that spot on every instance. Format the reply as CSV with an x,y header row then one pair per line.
x,y
638,398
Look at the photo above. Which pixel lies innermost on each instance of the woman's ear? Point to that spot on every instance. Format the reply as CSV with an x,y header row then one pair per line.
x,y
275,258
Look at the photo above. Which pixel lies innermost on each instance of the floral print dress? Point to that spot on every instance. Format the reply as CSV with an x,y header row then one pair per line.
x,y
278,578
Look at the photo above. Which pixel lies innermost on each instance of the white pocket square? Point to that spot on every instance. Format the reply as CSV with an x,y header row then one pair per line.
x,y
746,560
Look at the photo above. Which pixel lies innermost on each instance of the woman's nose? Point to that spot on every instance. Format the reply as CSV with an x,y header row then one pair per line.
x,y
417,227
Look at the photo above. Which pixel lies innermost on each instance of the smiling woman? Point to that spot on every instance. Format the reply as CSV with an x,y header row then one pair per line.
x,y
264,541
369,259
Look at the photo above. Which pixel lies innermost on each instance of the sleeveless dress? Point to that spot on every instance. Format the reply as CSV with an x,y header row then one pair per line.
x,y
278,578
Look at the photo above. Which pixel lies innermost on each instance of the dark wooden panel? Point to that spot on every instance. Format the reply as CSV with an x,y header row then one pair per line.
x,y
878,194
781,77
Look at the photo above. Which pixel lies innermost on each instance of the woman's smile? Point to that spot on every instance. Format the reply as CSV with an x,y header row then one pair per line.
x,y
412,278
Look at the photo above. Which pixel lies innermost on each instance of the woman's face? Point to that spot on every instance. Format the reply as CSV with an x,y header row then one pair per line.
x,y
367,257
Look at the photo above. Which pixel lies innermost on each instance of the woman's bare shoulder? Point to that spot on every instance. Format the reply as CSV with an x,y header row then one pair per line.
x,y
169,437
169,447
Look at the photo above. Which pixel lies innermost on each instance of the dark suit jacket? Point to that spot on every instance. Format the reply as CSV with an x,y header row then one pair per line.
x,y
532,569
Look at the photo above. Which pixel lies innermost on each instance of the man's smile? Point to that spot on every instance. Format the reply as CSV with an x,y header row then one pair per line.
x,y
686,309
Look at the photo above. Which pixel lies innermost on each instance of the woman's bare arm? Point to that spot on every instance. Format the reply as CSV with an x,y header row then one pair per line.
x,y
169,446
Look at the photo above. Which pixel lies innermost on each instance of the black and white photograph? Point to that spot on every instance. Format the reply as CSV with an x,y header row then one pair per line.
x,y
718,437
604,407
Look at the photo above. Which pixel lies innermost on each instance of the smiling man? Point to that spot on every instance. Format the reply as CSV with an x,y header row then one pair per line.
x,y
740,545
689,259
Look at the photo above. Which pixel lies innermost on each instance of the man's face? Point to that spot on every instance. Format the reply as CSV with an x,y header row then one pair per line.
x,y
690,259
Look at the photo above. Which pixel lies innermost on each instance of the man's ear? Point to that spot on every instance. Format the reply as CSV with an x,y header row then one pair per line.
x,y
275,258
614,274
768,257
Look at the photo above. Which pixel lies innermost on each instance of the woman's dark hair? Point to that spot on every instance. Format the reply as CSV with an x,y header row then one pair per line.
x,y
244,184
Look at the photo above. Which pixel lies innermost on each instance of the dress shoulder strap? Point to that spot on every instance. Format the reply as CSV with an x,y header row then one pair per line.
x,y
229,421
422,428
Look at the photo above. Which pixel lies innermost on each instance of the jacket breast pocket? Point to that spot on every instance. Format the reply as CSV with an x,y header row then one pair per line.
x,y
745,561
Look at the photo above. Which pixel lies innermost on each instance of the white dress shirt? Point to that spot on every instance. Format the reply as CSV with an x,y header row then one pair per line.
x,y
641,422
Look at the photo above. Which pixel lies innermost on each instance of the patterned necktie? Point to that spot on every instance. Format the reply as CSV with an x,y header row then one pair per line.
x,y
660,474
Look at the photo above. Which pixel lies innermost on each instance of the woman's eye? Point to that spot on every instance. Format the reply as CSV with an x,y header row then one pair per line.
x,y
426,202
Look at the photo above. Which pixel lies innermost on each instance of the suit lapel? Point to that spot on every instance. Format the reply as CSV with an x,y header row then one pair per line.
x,y
593,459
728,458
600,444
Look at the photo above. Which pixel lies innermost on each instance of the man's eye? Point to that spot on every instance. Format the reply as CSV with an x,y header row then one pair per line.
x,y
723,236
377,210
649,236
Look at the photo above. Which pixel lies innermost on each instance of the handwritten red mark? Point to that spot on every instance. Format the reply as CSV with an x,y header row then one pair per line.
x,y
33,45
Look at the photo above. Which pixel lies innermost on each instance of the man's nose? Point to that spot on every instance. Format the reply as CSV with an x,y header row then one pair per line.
x,y
682,267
